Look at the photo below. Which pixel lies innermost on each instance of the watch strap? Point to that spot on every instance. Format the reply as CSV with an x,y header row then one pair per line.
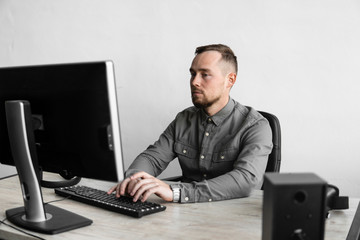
x,y
176,193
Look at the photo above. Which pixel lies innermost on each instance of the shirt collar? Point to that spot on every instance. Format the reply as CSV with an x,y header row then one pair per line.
x,y
219,117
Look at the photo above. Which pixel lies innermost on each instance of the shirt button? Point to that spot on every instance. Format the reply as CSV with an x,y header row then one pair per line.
x,y
207,134
222,157
186,199
205,175
184,151
209,120
210,200
202,156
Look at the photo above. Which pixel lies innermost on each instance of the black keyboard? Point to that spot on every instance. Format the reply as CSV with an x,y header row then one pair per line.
x,y
124,205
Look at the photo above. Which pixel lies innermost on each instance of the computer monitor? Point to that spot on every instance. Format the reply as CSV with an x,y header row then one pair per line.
x,y
75,116
60,118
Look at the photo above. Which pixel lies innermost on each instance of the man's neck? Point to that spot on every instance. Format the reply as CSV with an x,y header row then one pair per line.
x,y
216,107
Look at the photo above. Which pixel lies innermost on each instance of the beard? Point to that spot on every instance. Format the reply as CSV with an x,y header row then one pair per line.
x,y
204,103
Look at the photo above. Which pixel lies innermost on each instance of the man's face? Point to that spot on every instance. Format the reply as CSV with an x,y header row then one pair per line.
x,y
208,81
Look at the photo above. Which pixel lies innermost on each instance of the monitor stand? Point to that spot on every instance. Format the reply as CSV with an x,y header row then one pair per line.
x,y
35,215
58,184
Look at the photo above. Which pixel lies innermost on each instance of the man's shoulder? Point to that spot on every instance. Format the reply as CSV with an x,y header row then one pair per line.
x,y
250,113
187,116
189,111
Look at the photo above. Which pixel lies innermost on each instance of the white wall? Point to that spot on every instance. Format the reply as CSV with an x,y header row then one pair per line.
x,y
299,59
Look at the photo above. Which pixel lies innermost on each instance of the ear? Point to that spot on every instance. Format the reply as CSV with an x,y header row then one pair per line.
x,y
231,79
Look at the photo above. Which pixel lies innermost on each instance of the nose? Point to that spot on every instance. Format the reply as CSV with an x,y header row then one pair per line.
x,y
195,80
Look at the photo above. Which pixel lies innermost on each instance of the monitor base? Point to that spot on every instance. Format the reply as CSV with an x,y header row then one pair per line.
x,y
59,220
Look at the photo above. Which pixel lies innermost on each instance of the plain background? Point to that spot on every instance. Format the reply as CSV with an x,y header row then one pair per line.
x,y
298,59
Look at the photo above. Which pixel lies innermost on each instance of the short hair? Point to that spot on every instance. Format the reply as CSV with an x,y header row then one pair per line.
x,y
226,53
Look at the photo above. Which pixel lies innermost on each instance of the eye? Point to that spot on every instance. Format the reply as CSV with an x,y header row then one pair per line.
x,y
205,75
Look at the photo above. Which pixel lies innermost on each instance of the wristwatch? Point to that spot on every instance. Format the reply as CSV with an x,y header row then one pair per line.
x,y
176,193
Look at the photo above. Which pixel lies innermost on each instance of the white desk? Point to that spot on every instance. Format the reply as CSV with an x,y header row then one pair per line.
x,y
231,219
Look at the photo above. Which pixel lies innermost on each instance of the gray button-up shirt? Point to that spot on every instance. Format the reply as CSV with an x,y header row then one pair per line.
x,y
222,157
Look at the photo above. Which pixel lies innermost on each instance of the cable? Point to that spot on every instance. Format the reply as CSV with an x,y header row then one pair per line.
x,y
58,200
58,184
20,230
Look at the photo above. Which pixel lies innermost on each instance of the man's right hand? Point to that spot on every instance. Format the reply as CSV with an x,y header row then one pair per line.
x,y
123,188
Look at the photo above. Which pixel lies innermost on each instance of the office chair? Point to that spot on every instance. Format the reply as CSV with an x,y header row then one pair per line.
x,y
274,159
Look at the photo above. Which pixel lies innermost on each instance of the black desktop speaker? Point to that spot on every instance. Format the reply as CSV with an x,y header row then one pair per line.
x,y
293,206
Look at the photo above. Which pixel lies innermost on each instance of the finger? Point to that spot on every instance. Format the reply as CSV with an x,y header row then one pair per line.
x,y
144,189
115,189
130,186
139,184
121,187
150,191
141,175
118,191
111,190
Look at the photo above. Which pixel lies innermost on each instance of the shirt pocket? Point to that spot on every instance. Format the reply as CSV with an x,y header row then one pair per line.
x,y
223,160
185,151
188,156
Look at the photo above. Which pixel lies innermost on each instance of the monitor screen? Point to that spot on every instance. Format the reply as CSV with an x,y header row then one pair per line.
x,y
75,117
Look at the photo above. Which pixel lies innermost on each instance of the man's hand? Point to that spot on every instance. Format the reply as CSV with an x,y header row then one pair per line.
x,y
141,185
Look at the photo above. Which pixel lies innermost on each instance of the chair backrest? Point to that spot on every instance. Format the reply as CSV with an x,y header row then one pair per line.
x,y
274,160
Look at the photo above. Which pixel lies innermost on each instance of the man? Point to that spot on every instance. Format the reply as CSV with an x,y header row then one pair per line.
x,y
222,146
